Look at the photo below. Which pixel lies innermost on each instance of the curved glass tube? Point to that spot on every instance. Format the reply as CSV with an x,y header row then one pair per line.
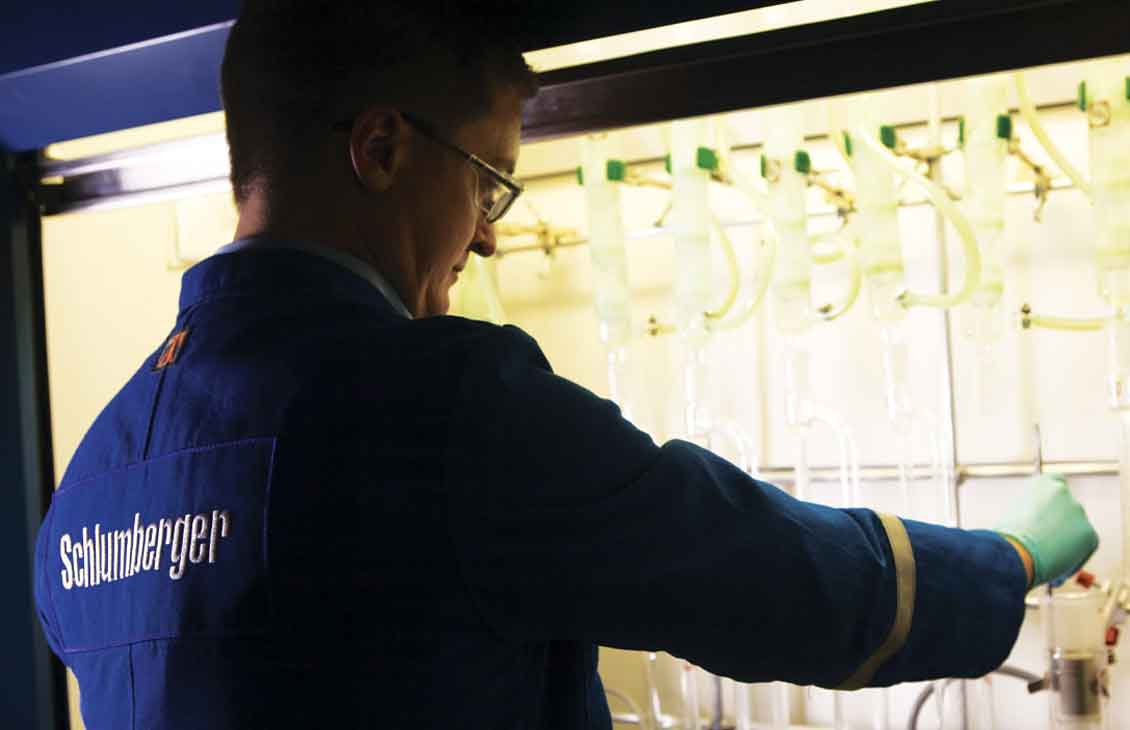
x,y
804,416
985,149
612,301
833,311
692,222
866,138
763,272
733,270
1108,116
794,316
877,227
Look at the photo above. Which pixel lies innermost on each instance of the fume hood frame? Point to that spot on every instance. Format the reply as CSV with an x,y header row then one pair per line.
x,y
917,43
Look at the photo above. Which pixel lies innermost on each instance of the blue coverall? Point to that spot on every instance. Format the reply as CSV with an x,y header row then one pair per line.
x,y
306,510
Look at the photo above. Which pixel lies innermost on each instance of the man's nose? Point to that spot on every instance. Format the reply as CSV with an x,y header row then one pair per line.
x,y
484,243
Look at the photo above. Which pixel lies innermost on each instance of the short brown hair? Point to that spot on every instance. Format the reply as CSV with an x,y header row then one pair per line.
x,y
294,67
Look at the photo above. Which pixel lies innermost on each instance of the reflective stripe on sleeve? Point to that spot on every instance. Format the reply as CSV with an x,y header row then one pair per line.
x,y
904,604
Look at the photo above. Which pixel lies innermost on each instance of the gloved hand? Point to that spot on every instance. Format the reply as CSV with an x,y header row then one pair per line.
x,y
1052,527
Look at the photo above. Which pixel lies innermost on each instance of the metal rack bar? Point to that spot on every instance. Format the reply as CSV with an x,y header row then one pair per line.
x,y
829,212
819,137
32,673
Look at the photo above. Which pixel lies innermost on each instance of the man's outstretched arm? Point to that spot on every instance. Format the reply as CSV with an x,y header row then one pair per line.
x,y
569,523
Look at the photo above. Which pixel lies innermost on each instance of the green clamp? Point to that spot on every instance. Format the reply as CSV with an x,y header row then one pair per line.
x,y
888,136
706,158
614,170
847,143
764,165
802,162
1004,126
961,131
1081,99
667,164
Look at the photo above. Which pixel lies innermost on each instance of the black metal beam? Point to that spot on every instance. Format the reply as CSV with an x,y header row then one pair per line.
x,y
939,40
34,693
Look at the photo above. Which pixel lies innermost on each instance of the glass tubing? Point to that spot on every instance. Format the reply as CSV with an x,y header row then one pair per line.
x,y
876,238
1104,96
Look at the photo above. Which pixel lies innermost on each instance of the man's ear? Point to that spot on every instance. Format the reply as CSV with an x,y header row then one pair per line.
x,y
377,147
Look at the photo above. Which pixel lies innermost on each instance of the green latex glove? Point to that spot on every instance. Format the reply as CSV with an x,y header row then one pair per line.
x,y
1052,527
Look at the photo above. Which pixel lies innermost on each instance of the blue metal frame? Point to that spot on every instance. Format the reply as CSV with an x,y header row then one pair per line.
x,y
34,694
66,72
172,77
46,31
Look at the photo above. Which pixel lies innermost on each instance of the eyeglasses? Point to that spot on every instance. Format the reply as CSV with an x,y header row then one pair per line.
x,y
497,190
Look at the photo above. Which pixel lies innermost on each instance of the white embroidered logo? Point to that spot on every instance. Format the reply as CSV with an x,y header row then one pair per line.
x,y
119,554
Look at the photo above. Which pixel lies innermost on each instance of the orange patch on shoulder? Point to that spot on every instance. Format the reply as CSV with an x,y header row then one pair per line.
x,y
172,349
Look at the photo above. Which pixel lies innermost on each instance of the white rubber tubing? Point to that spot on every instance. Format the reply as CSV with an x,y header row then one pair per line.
x,y
942,202
1030,115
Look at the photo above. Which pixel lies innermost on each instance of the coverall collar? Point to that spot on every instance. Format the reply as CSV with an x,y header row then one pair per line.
x,y
290,267
225,271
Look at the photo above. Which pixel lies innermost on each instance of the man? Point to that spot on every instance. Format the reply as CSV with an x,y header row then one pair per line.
x,y
320,503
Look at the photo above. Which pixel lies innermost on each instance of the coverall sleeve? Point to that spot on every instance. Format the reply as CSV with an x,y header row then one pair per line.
x,y
569,523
